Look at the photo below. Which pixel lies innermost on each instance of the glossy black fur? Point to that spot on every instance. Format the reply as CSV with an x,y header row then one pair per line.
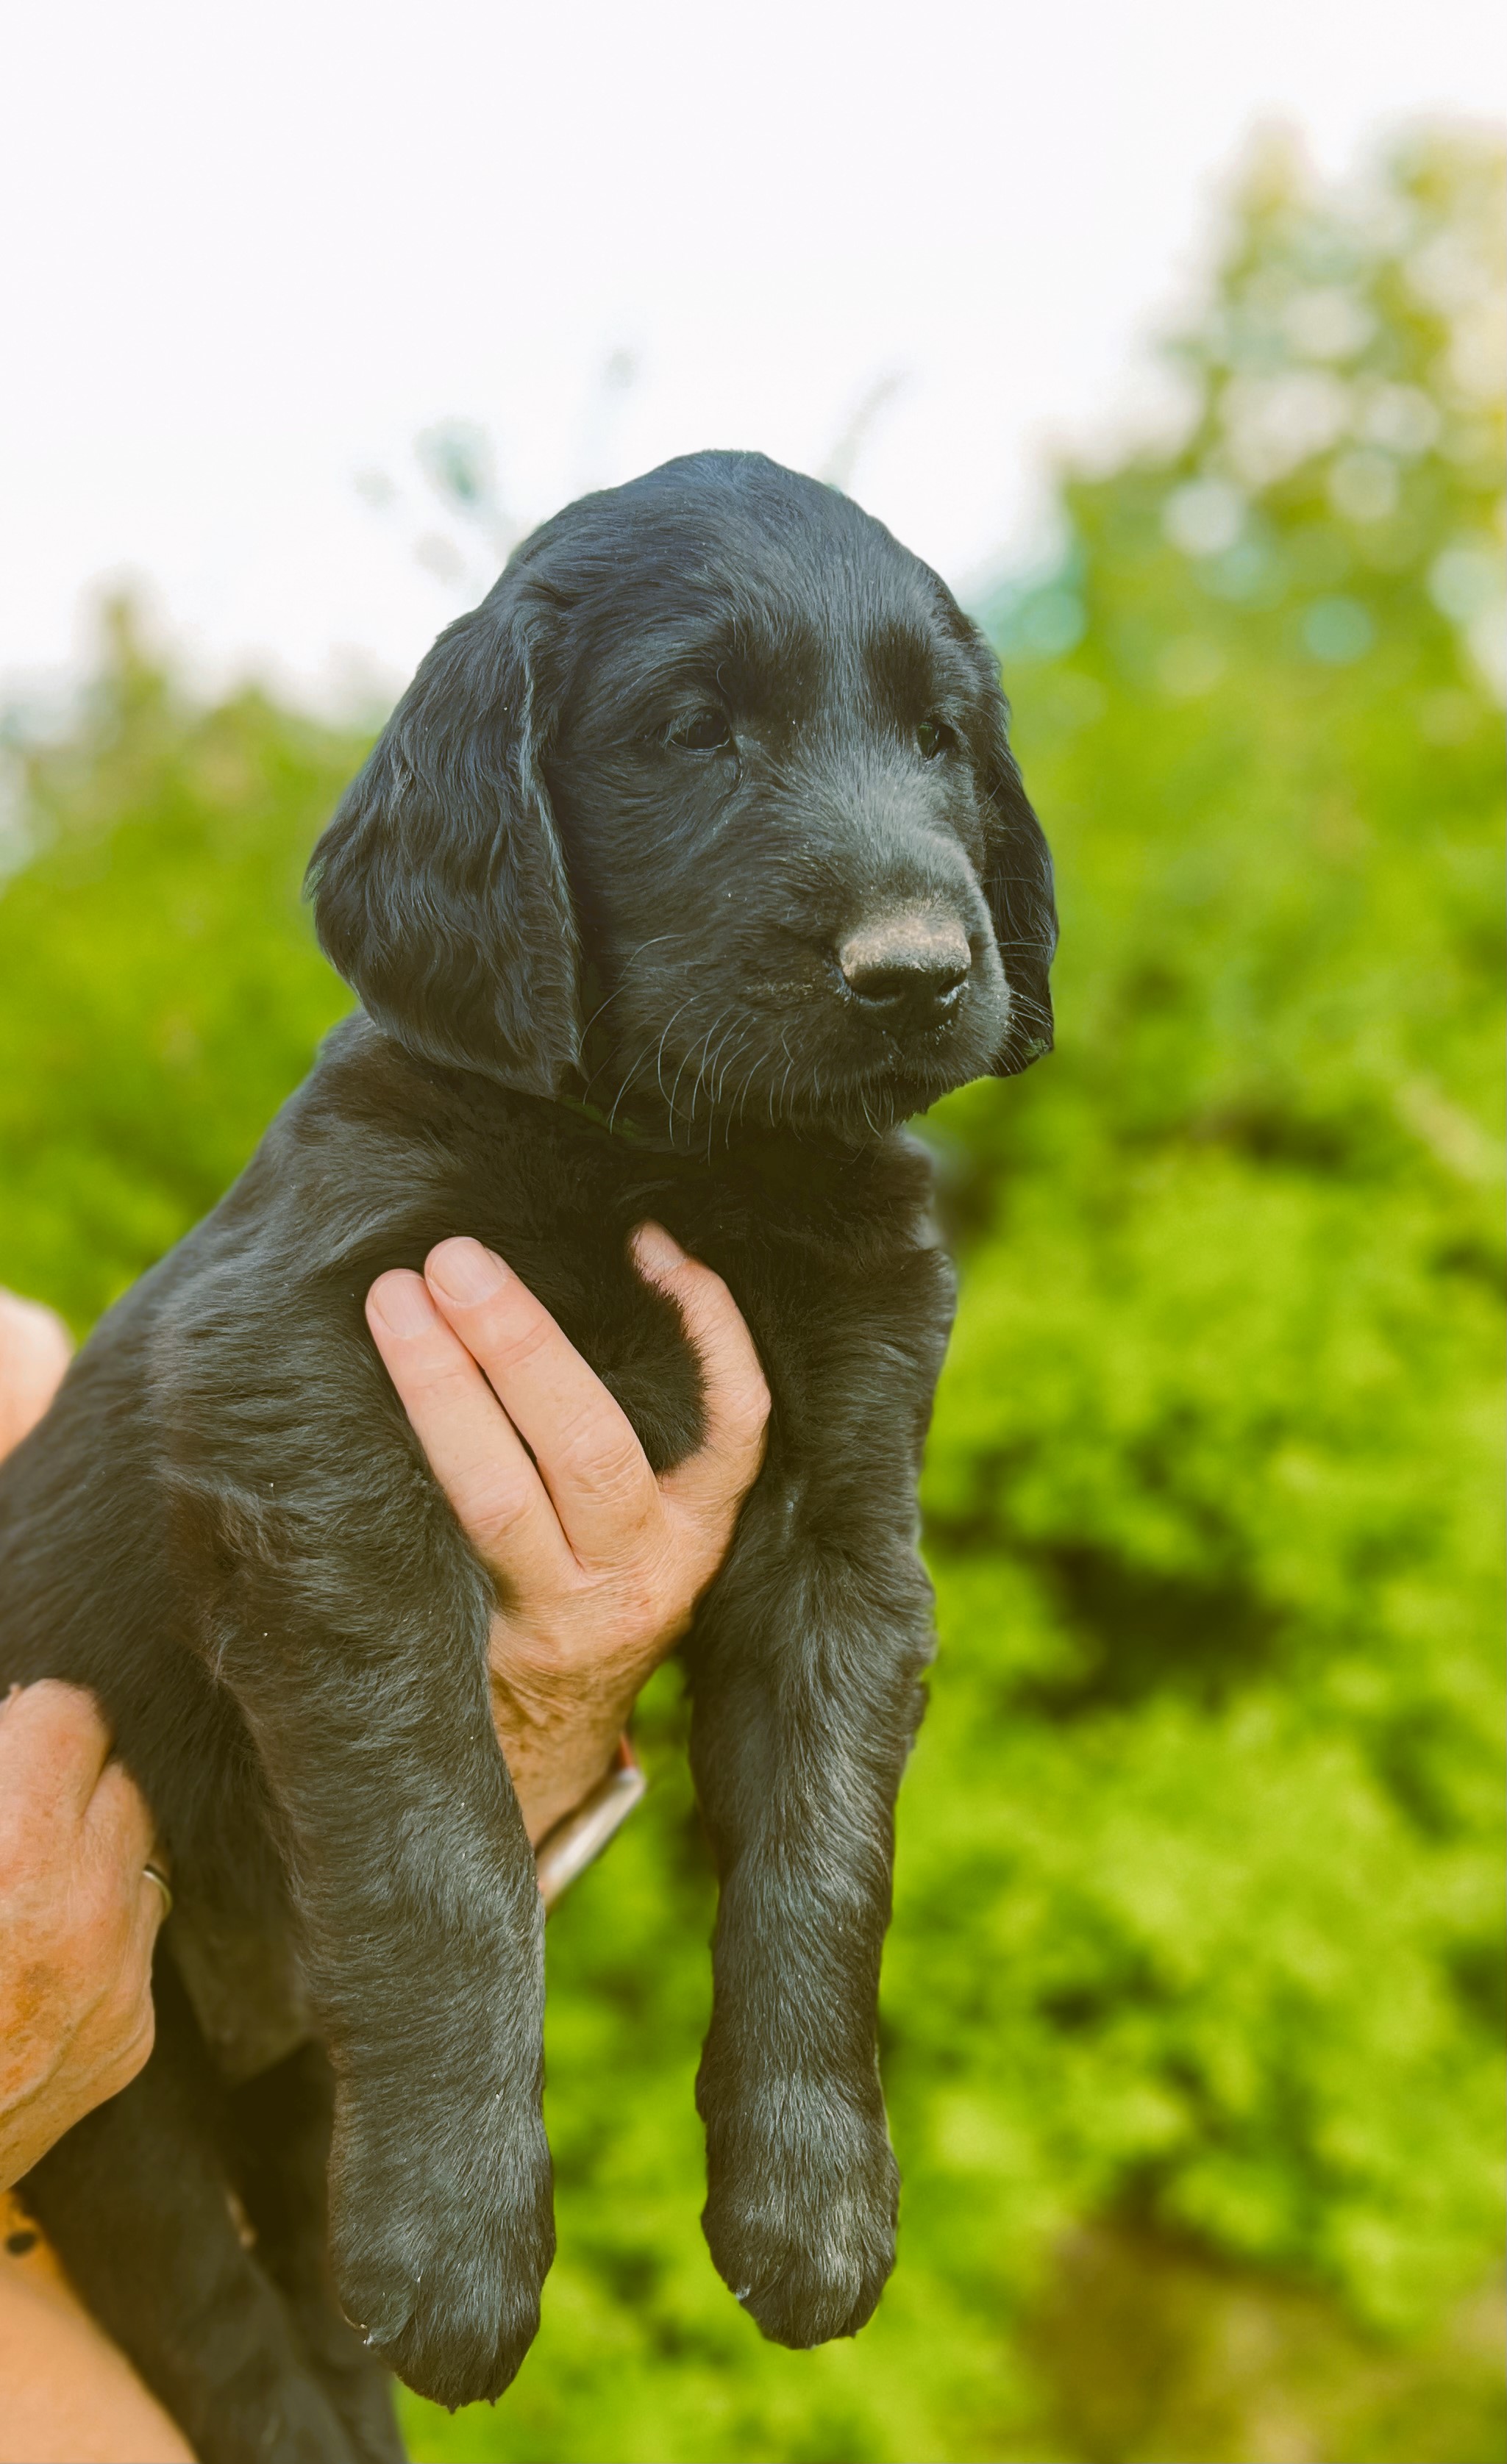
x,y
595,953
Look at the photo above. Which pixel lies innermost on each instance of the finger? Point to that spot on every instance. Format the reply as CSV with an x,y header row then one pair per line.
x,y
591,1462
119,1828
121,1839
53,1743
472,1448
132,2049
735,1398
125,2021
35,1351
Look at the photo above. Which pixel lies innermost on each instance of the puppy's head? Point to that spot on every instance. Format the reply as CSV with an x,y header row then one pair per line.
x,y
707,809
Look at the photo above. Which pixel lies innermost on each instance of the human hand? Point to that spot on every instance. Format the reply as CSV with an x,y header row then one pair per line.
x,y
34,1352
78,1916
603,1564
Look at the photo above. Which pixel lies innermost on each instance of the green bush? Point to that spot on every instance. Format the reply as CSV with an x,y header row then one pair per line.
x,y
1220,1420
1197,1922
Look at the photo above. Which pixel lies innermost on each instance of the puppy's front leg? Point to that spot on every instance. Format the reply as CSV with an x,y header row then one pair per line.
x,y
805,1698
423,1942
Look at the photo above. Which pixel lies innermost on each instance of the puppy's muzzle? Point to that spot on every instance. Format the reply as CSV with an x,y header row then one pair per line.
x,y
907,969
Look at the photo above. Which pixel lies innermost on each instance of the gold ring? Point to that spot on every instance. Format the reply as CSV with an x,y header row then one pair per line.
x,y
154,1874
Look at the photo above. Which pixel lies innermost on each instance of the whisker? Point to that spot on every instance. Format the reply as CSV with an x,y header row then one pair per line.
x,y
660,1055
707,1078
790,1065
680,1072
736,1055
719,1068
628,1080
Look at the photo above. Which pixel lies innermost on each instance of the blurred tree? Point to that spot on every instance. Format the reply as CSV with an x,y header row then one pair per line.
x,y
1192,2007
160,990
1213,1857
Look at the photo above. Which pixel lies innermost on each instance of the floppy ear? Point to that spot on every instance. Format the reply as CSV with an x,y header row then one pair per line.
x,y
439,888
1019,886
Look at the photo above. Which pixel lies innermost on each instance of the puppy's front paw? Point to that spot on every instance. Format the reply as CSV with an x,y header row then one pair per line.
x,y
440,2252
800,2216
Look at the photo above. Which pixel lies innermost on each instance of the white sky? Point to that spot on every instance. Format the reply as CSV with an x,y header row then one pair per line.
x,y
251,251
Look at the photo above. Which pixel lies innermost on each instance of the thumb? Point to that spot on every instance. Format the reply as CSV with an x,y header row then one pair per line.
x,y
736,1395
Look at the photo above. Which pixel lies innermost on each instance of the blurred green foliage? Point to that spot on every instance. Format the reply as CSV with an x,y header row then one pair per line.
x,y
1197,1917
160,990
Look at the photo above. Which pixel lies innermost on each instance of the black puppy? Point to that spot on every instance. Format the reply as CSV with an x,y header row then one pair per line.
x,y
692,862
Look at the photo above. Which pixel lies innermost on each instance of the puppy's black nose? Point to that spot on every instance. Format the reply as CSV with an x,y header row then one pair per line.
x,y
909,969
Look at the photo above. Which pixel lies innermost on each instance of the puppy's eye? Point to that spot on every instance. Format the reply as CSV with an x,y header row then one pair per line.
x,y
933,736
706,732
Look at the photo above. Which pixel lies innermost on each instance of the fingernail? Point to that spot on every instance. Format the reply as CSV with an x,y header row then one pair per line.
x,y
656,1251
464,1271
401,1303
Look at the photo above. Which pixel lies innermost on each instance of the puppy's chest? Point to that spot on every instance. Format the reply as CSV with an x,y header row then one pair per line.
x,y
850,1323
